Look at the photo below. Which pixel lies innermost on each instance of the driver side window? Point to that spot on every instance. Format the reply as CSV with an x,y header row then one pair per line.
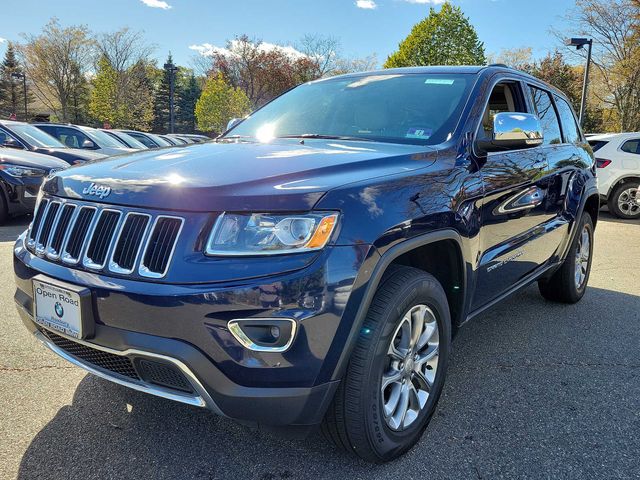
x,y
505,97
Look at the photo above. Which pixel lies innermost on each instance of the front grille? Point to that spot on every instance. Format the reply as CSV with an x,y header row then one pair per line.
x,y
104,238
104,360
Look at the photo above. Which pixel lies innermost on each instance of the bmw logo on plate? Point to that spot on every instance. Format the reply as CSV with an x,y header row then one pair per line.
x,y
59,310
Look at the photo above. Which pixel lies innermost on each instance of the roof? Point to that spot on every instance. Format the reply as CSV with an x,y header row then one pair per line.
x,y
611,136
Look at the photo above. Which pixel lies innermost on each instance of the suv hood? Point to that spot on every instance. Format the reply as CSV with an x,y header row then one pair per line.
x,y
278,176
31,159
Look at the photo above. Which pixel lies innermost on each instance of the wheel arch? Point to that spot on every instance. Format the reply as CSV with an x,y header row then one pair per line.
x,y
447,240
621,180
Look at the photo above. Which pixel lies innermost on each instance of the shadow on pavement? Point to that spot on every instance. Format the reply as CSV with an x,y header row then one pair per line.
x,y
534,390
13,227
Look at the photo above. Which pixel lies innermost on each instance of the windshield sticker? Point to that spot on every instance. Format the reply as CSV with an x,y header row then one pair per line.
x,y
421,133
439,81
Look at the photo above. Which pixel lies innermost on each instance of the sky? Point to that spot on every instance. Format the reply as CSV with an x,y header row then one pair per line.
x,y
364,27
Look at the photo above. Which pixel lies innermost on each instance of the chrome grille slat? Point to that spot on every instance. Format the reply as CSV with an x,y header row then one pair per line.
x,y
59,229
160,246
81,230
36,225
49,219
100,237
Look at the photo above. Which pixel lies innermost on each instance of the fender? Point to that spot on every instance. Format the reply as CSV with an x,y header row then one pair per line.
x,y
590,189
371,285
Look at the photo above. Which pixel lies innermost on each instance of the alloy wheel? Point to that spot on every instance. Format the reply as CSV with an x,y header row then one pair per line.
x,y
628,202
583,254
411,367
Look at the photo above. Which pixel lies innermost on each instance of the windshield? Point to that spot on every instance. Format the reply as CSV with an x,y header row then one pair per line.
x,y
128,140
101,138
159,140
36,137
399,108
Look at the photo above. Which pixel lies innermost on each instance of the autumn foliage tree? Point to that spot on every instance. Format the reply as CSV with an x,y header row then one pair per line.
x,y
219,103
445,37
262,71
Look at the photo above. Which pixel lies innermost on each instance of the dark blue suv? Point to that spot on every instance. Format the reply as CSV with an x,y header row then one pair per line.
x,y
310,267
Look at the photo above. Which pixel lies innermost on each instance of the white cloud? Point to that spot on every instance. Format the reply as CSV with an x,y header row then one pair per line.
x,y
156,4
208,50
2,40
366,4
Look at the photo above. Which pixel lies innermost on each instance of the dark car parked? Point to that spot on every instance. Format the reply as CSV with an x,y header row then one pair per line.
x,y
150,140
125,139
23,136
21,174
316,275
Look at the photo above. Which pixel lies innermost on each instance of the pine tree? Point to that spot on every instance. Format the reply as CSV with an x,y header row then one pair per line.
x,y
443,38
161,113
186,115
11,88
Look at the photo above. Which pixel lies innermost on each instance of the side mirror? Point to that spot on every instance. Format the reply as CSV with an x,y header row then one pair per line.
x,y
233,122
513,131
10,142
88,144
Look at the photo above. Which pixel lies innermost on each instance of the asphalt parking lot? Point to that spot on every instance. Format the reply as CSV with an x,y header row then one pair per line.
x,y
534,390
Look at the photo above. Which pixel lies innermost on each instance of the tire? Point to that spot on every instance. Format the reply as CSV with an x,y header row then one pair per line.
x,y
4,212
357,419
567,285
623,201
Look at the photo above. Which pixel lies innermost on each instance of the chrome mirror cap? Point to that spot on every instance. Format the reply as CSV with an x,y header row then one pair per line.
x,y
513,131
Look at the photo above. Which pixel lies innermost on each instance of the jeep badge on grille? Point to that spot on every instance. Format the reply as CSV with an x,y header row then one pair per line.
x,y
99,191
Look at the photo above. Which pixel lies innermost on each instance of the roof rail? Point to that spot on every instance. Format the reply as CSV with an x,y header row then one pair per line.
x,y
498,65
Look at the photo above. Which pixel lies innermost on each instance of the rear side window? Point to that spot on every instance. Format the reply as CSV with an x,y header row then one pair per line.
x,y
568,120
547,115
597,144
631,146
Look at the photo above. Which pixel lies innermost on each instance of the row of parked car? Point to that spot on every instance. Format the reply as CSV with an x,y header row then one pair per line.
x,y
30,152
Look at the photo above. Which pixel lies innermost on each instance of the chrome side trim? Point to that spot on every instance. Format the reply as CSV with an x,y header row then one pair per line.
x,y
239,335
202,399
143,271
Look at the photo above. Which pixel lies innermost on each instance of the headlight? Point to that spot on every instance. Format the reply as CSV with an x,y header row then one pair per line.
x,y
20,171
263,234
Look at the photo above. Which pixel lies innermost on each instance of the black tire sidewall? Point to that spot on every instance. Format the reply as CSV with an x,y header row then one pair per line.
x,y
385,442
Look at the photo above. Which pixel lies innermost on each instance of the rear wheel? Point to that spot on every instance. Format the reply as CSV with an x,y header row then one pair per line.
x,y
624,201
569,282
396,372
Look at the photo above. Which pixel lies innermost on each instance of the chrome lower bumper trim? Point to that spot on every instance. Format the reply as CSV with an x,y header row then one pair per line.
x,y
200,399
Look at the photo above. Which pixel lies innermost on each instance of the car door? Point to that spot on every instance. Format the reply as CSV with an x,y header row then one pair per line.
x,y
514,216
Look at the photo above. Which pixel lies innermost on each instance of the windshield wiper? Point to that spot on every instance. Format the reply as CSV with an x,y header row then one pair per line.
x,y
327,137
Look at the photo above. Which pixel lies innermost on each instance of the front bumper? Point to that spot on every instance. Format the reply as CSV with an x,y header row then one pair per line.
x,y
185,327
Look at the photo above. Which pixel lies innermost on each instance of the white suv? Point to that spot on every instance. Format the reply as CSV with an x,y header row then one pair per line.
x,y
618,160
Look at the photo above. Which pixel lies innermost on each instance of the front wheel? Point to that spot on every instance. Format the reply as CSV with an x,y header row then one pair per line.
x,y
397,369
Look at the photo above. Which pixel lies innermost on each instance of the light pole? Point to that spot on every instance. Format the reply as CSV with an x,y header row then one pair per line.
x,y
24,89
579,43
172,69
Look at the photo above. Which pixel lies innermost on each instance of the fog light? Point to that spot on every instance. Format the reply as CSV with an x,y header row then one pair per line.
x,y
275,332
264,334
